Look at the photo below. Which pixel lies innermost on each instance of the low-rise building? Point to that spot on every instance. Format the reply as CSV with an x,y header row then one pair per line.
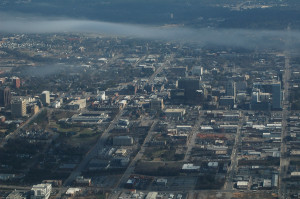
x,y
162,182
267,183
177,113
122,141
56,104
121,152
213,164
157,104
5,177
91,118
227,101
295,174
190,168
17,195
41,191
73,191
77,104
242,184
80,180
151,195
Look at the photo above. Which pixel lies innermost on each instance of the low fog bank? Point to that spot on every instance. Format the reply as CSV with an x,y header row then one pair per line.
x,y
223,37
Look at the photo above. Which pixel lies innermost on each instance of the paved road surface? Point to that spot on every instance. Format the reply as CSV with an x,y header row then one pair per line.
x,y
284,161
192,138
234,159
130,169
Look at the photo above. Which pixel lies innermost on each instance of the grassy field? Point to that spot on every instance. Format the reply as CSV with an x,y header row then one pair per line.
x,y
162,154
83,136
76,135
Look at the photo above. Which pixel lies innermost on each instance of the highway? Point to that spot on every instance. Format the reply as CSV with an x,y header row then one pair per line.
x,y
234,159
284,161
157,71
192,191
130,169
192,138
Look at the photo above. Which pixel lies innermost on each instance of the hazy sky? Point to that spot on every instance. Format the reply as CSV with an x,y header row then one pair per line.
x,y
226,37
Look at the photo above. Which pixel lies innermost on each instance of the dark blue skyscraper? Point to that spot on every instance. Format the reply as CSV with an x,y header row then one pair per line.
x,y
276,96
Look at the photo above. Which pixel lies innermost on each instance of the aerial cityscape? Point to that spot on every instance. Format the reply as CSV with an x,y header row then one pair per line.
x,y
133,99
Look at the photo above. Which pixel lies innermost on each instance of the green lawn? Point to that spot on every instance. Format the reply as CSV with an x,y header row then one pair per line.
x,y
162,153
82,135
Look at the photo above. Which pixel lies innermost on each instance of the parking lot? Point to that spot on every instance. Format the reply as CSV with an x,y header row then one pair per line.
x,y
175,183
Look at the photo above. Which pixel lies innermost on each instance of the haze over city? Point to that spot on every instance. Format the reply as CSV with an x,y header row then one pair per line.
x,y
245,38
119,99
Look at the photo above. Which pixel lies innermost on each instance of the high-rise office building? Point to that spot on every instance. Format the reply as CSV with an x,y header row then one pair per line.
x,y
230,88
264,87
194,90
276,96
255,97
16,82
18,108
157,104
197,70
189,83
5,97
269,96
101,95
45,97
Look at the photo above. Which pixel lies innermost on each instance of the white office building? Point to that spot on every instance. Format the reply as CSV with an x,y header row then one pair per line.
x,y
41,191
45,97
